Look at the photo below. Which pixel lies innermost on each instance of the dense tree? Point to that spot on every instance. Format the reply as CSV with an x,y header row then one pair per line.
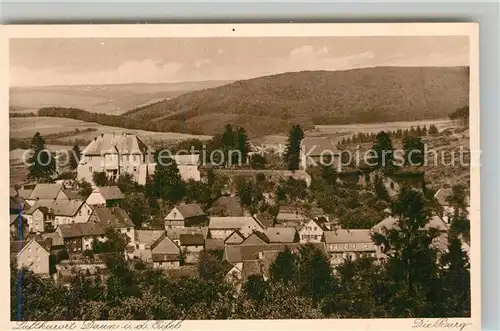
x,y
137,207
84,188
433,129
74,157
314,273
242,144
211,266
414,151
126,183
167,183
41,163
284,268
411,268
100,179
257,161
383,151
292,152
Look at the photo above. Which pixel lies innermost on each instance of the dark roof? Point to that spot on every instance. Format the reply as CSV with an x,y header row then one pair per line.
x,y
16,218
77,230
191,240
72,195
111,192
113,217
54,237
214,244
239,253
189,210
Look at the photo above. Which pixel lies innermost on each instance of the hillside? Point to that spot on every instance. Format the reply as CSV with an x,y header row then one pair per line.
x,y
108,99
270,104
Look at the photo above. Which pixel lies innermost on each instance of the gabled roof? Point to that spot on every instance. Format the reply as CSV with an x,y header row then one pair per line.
x,y
78,230
175,233
26,245
227,223
113,217
24,193
234,238
16,218
281,235
110,192
45,191
388,222
148,237
256,238
72,194
67,208
189,210
437,223
344,236
316,146
164,245
191,240
115,143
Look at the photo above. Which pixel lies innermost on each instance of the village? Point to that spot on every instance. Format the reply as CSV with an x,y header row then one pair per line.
x,y
59,231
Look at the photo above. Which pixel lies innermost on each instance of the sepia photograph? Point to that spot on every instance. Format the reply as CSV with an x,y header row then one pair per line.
x,y
323,172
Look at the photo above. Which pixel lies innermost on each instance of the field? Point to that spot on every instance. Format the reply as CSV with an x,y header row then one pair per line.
x,y
109,99
337,132
26,127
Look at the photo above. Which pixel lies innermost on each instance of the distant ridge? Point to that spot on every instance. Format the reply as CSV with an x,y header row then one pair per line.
x,y
271,104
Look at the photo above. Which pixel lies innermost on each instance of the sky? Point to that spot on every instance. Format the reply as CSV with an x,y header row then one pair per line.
x,y
92,61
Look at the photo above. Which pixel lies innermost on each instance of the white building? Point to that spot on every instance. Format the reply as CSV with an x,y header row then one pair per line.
x,y
222,227
114,155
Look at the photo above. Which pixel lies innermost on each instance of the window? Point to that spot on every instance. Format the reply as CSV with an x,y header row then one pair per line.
x,y
38,258
80,212
366,245
38,249
90,168
353,245
88,211
346,246
128,229
315,228
135,168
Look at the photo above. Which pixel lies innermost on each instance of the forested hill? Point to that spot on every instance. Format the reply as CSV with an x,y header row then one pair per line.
x,y
271,104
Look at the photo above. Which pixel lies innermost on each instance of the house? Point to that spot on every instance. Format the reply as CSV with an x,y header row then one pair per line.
x,y
235,238
48,192
185,215
312,231
72,211
115,218
175,233
447,210
18,227
282,235
165,253
346,244
390,223
189,166
222,227
52,241
227,206
109,196
191,245
45,215
292,215
39,218
319,151
79,237
114,154
256,238
144,240
31,255
17,204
